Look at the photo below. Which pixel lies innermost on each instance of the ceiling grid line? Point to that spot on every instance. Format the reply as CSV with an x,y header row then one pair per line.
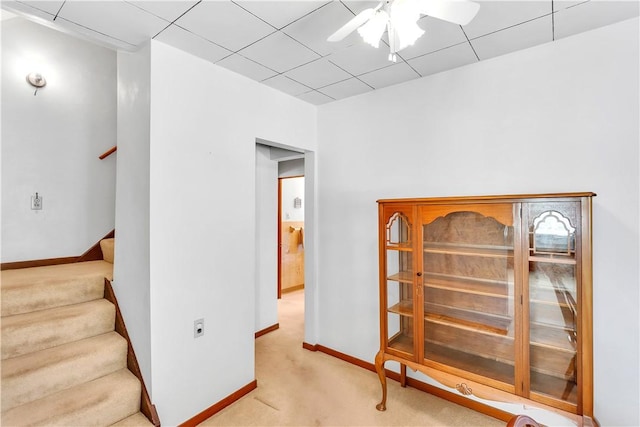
x,y
283,43
291,69
172,22
37,8
254,42
248,11
553,22
96,31
199,36
302,44
513,26
470,44
304,16
58,12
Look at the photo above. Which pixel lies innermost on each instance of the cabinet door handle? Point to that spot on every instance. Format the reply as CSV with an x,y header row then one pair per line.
x,y
419,273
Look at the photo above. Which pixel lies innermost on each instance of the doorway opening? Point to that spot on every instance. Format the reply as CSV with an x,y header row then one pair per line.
x,y
290,230
277,164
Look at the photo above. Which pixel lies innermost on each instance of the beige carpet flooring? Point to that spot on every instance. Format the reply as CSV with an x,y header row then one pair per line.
x,y
297,387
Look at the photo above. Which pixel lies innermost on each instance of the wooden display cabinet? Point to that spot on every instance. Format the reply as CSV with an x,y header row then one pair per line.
x,y
491,296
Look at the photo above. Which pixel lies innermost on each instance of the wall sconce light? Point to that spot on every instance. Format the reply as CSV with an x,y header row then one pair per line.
x,y
36,80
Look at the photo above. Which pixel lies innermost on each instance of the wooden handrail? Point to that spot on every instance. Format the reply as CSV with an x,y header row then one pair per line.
x,y
522,421
108,152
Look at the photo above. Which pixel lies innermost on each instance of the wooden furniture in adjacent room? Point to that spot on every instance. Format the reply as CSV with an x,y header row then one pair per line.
x,y
291,256
491,297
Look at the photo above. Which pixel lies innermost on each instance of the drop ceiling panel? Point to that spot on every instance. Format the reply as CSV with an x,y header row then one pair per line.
x,y
279,52
315,97
51,7
563,4
388,76
23,9
314,29
88,34
445,59
116,19
593,14
280,13
318,73
345,89
357,6
224,23
521,36
285,84
282,42
438,35
362,58
166,9
192,43
246,67
496,15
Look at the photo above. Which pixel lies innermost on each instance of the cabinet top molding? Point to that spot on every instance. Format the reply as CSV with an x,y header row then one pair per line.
x,y
489,199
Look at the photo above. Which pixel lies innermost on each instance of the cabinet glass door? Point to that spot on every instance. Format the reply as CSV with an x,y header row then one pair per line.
x,y
399,287
468,279
553,300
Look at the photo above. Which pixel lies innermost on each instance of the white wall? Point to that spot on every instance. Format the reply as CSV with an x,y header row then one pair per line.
x,y
292,188
554,118
51,142
131,268
266,282
204,124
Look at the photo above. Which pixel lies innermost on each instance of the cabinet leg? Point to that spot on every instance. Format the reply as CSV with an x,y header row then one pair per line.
x,y
403,375
382,406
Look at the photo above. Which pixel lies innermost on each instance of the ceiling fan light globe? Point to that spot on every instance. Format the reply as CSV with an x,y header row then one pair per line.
x,y
408,34
372,30
404,17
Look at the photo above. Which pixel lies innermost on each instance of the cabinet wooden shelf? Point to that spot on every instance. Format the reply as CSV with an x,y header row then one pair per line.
x,y
403,308
461,362
501,298
553,259
470,284
402,343
403,277
496,323
400,248
469,250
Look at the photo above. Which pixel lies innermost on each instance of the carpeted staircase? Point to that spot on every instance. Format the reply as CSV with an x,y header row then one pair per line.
x,y
62,362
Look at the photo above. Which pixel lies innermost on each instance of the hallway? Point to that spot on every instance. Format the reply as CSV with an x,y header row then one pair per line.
x,y
297,387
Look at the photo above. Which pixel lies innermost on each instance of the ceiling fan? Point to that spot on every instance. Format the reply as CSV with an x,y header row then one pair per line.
x,y
399,18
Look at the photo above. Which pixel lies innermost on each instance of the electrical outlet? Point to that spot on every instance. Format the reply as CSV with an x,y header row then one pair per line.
x,y
198,328
36,202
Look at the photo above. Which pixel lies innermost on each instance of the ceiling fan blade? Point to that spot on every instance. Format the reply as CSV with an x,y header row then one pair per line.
x,y
459,12
351,26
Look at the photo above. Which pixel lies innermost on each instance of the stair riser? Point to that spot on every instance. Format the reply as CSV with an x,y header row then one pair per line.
x,y
41,374
101,402
27,333
42,296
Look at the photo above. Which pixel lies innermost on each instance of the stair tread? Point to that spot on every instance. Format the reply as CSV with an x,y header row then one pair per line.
x,y
103,401
38,288
36,375
29,332
136,420
21,276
